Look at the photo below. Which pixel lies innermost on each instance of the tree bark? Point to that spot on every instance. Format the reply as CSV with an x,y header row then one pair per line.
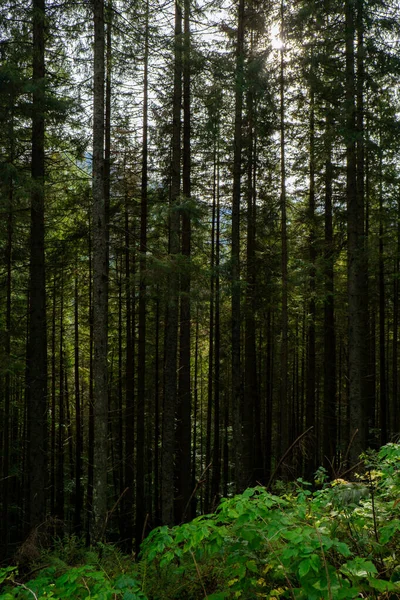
x,y
216,460
60,496
140,466
251,414
356,266
383,420
78,415
5,496
37,343
235,255
129,415
171,329
329,415
90,472
284,438
311,366
100,282
183,463
395,352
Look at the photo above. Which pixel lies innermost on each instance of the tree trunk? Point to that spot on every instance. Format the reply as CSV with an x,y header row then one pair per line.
x,y
119,426
329,415
129,416
37,343
356,268
78,415
157,412
183,463
90,474
251,415
395,353
171,329
310,376
284,438
216,460
140,467
60,496
269,381
240,482
195,416
5,496
382,349
100,283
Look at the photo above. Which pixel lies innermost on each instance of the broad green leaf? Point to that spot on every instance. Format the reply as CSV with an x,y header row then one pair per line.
x,y
251,565
304,567
383,586
359,567
343,549
388,531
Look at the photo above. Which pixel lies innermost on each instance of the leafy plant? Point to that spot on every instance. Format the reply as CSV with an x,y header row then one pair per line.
x,y
338,542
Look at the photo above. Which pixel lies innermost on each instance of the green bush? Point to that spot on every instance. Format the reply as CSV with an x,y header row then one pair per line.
x,y
342,541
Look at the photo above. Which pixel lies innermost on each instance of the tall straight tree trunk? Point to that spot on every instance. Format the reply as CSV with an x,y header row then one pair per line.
x,y
60,495
37,343
216,461
284,439
210,391
140,470
100,282
251,441
329,416
310,376
157,506
171,329
53,400
269,381
195,415
78,415
4,529
371,379
395,352
119,425
235,255
356,267
129,416
90,472
362,205
383,420
183,464
107,120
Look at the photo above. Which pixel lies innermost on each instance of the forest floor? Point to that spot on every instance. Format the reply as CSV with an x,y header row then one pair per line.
x,y
340,541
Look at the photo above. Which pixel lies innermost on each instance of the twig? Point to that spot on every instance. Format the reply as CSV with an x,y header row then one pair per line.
x,y
26,588
292,445
371,489
145,525
328,579
110,512
348,449
198,484
341,475
289,583
199,574
39,568
335,475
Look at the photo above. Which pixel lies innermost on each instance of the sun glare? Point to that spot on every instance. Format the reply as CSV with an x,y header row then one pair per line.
x,y
276,41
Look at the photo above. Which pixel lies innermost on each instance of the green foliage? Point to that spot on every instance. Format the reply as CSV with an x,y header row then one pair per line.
x,y
77,583
339,542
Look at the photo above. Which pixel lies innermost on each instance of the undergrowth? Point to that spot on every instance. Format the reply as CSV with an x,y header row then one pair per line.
x,y
339,542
